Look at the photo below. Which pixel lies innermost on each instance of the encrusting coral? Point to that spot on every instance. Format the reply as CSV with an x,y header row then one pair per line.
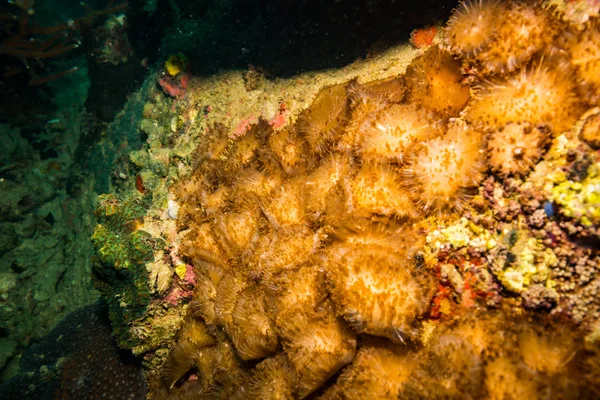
x,y
328,256
78,360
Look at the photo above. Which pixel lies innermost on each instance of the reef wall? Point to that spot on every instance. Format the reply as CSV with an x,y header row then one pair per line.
x,y
421,223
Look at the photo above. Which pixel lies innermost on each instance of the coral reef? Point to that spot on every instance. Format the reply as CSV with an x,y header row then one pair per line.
x,y
419,229
477,357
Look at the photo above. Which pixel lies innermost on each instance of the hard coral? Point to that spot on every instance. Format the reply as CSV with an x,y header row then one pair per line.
x,y
324,186
318,350
366,281
80,361
396,130
270,216
321,123
272,379
193,337
483,356
289,150
241,308
365,105
451,368
316,342
379,370
376,189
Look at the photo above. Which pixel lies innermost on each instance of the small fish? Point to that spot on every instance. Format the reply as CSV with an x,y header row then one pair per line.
x,y
549,208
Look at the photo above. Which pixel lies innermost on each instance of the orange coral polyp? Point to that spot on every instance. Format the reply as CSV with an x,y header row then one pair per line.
x,y
397,129
286,206
446,167
376,189
289,149
516,148
379,371
322,123
377,291
435,82
253,333
365,106
584,49
472,26
522,30
541,95
239,230
318,350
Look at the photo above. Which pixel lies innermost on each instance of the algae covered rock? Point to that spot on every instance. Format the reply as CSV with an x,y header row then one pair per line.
x,y
122,250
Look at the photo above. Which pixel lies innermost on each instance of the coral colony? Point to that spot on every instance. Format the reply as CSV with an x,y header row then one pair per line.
x,y
430,235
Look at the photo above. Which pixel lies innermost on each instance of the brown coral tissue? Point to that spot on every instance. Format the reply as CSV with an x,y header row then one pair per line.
x,y
308,241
